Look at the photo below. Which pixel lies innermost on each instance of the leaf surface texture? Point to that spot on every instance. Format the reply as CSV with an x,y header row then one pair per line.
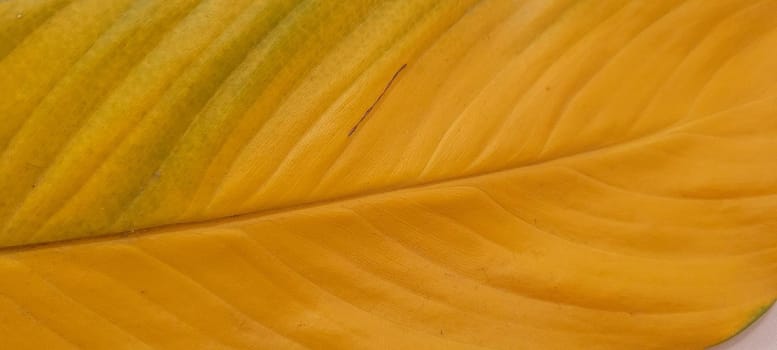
x,y
386,174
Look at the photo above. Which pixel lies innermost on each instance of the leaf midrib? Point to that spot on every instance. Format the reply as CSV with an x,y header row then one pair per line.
x,y
387,191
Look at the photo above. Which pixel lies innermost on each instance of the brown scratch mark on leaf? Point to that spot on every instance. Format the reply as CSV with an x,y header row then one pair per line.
x,y
372,106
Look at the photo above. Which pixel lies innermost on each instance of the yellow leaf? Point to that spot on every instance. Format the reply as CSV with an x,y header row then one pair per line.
x,y
407,174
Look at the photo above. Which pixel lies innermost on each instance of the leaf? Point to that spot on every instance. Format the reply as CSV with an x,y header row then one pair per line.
x,y
386,174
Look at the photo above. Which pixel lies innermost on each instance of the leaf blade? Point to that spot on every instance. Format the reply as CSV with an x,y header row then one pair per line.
x,y
550,188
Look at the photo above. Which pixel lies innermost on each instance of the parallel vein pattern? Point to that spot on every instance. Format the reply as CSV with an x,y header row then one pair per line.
x,y
386,174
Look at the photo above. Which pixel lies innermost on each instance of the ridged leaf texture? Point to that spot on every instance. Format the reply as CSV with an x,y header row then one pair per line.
x,y
407,174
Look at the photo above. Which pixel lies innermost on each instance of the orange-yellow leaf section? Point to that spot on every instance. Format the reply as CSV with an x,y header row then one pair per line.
x,y
407,174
